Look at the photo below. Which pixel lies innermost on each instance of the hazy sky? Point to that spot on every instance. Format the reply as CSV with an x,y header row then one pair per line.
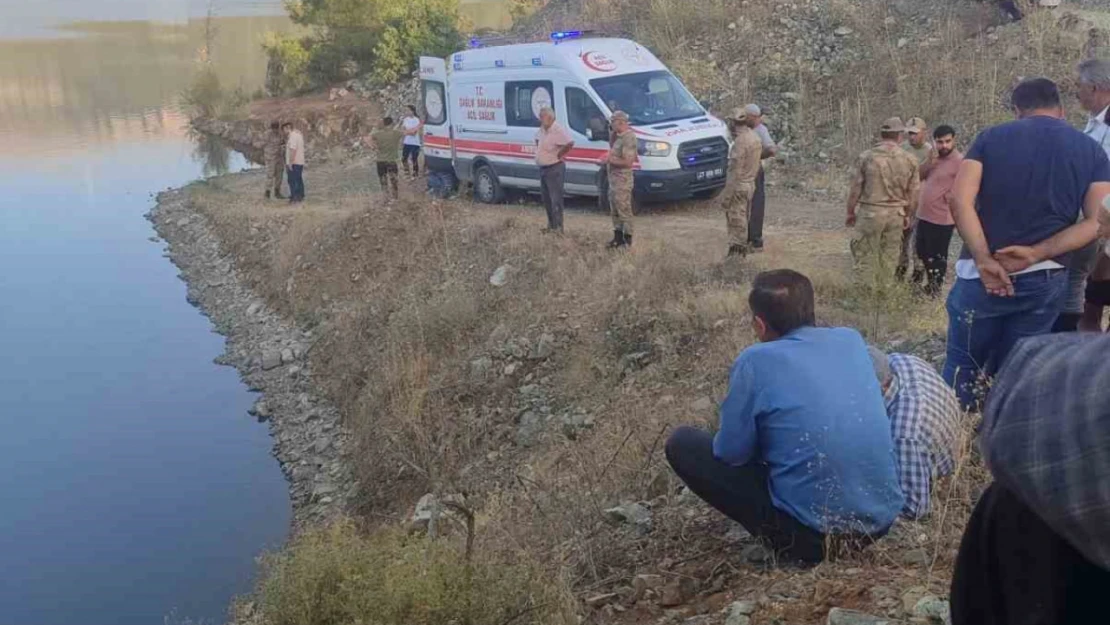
x,y
34,18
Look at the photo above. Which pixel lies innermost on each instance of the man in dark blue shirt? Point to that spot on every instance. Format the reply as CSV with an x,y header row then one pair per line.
x,y
1016,201
804,449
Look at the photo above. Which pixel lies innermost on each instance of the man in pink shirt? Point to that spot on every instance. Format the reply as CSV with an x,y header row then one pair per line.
x,y
553,143
934,219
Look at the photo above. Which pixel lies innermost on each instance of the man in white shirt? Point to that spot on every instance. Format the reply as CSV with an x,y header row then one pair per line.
x,y
410,155
759,199
1088,297
553,143
294,160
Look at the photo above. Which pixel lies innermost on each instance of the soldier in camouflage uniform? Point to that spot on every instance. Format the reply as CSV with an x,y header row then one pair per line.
x,y
621,159
743,169
885,189
274,157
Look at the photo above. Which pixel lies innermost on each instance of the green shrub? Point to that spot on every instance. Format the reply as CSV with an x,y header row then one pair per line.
x,y
382,37
287,65
206,98
337,576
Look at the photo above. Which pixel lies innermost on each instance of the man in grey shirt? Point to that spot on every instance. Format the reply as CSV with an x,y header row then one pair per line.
x,y
759,200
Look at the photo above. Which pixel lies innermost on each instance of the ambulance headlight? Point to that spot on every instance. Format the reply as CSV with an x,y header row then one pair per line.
x,y
653,148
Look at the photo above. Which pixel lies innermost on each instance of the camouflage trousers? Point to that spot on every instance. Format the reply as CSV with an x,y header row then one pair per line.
x,y
737,204
620,199
275,173
877,241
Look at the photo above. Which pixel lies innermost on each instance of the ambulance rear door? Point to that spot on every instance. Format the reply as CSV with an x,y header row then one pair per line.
x,y
439,145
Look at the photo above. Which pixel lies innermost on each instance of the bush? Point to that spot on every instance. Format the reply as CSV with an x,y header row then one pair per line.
x,y
337,576
382,37
206,98
288,61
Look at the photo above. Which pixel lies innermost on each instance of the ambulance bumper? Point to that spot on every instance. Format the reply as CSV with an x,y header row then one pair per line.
x,y
676,184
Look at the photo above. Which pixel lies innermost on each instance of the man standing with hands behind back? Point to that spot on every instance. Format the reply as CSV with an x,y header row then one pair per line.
x,y
1018,194
553,143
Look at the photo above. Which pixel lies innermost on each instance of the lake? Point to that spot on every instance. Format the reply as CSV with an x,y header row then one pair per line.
x,y
134,486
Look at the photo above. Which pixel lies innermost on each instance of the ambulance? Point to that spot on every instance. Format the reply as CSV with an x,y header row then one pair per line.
x,y
482,111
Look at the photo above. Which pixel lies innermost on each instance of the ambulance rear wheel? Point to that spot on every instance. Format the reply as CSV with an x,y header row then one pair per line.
x,y
487,188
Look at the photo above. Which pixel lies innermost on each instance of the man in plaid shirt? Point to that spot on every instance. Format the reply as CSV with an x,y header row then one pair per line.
x,y
924,422
1037,548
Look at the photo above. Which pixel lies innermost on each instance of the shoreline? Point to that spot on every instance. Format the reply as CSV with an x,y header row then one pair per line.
x,y
309,441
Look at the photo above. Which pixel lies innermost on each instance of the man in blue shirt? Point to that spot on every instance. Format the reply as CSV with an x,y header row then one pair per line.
x,y
1016,202
804,449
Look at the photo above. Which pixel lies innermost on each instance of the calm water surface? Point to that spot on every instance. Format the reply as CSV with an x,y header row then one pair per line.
x,y
133,485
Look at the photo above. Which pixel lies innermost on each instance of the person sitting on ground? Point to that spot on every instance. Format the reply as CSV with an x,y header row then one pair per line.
x,y
804,449
1037,547
387,141
924,423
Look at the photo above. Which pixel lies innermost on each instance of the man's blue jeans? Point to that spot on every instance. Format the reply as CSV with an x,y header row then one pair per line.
x,y
982,328
296,183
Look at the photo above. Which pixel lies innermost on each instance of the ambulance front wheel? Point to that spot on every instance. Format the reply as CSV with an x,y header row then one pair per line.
x,y
487,188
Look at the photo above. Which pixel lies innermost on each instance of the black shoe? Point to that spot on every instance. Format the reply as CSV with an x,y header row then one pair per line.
x,y
627,239
618,240
737,250
267,194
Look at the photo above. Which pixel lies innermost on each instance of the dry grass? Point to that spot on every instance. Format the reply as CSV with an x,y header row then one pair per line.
x,y
433,369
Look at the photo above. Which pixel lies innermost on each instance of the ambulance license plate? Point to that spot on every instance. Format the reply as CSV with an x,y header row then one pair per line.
x,y
711,174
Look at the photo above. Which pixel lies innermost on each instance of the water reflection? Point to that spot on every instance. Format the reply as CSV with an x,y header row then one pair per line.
x,y
211,152
116,81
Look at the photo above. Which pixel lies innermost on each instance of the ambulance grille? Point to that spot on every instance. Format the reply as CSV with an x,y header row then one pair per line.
x,y
703,153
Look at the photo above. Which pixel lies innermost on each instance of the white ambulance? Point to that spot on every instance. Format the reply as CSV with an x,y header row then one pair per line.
x,y
482,108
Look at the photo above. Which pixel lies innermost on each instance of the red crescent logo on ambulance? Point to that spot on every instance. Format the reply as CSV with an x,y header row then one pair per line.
x,y
598,62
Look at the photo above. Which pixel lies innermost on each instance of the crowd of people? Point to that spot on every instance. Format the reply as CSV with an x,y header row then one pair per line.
x,y
824,441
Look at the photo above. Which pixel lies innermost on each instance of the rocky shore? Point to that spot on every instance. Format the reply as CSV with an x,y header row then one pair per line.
x,y
309,441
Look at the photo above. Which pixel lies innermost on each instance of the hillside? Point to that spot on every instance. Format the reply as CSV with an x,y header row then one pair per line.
x,y
522,385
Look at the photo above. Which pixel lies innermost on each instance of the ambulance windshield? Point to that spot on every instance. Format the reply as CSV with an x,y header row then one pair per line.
x,y
648,98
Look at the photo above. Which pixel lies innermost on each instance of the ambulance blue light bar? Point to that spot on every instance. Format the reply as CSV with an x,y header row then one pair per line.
x,y
564,35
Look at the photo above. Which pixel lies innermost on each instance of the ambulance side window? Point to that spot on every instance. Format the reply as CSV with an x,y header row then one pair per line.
x,y
583,114
523,101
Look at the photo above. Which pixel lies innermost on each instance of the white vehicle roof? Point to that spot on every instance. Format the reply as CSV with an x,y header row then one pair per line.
x,y
587,59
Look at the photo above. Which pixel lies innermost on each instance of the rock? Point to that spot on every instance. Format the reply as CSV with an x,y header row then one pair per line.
x,y
184,221
530,428
254,308
597,601
321,445
632,513
511,368
701,619
912,596
641,584
756,553
574,422
703,404
260,410
633,361
840,616
544,348
890,21
430,506
903,42
732,25
917,557
271,360
843,31
500,276
740,612
737,534
479,367
677,592
287,356
934,609
323,488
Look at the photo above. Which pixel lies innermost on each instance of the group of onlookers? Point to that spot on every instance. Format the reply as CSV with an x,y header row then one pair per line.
x,y
824,441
